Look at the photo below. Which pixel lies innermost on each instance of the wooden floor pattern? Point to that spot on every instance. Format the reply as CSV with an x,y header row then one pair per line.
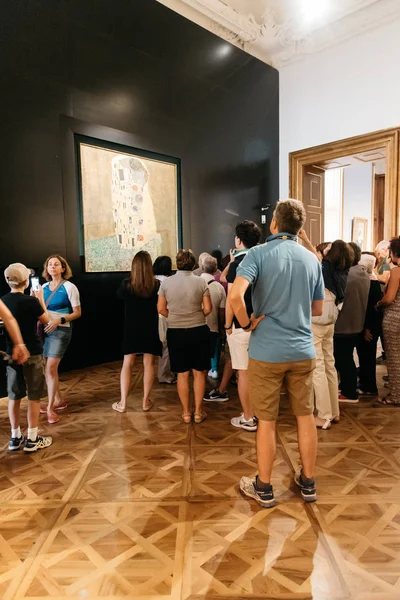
x,y
140,505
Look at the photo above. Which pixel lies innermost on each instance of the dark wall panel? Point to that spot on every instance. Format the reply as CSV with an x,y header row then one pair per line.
x,y
133,72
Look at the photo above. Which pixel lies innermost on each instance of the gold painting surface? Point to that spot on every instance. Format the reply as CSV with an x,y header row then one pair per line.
x,y
129,203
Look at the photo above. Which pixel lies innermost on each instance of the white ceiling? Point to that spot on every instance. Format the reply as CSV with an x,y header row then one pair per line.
x,y
281,31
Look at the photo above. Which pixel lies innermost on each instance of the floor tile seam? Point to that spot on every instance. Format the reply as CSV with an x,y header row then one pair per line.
x,y
345,444
356,422
375,443
79,380
322,499
88,465
35,564
175,500
386,452
180,549
37,550
320,527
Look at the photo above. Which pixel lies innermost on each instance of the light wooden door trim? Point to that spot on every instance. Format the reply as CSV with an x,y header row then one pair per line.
x,y
387,138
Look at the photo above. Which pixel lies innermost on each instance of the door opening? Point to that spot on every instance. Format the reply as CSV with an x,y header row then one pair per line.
x,y
349,188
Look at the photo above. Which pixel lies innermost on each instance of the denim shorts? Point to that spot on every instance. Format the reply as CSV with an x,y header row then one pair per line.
x,y
57,342
27,378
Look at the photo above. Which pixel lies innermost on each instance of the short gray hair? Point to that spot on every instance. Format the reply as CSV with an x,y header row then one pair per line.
x,y
202,256
209,264
368,262
290,216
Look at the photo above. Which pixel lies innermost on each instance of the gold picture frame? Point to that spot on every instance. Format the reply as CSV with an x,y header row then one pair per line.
x,y
360,233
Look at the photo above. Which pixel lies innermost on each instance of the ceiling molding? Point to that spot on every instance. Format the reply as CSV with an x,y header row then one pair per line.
x,y
244,26
279,41
363,20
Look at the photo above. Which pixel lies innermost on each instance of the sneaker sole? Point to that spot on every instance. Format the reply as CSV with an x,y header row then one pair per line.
x,y
306,497
311,498
15,449
262,503
36,449
250,429
215,399
349,401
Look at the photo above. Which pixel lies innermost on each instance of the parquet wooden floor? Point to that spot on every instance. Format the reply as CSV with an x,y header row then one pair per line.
x,y
142,506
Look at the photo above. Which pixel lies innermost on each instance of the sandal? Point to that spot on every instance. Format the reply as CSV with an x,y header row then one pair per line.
x,y
63,406
387,402
322,423
187,418
52,417
199,417
148,407
335,420
116,406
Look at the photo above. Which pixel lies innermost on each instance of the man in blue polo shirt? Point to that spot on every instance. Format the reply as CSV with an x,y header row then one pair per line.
x,y
288,289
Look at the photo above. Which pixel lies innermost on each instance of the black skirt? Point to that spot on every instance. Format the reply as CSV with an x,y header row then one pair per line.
x,y
189,349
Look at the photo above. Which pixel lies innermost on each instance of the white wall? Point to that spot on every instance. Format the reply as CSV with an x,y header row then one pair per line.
x,y
357,199
346,90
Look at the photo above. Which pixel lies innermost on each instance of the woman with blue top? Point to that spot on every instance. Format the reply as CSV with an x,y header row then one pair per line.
x,y
63,305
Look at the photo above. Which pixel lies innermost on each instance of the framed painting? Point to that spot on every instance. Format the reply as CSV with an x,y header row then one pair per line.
x,y
360,232
129,201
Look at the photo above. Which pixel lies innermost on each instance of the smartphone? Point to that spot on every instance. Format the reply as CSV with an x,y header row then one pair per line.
x,y
35,284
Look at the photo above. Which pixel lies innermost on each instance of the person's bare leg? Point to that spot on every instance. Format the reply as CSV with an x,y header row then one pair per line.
x,y
226,376
33,413
308,441
14,412
266,449
52,382
244,395
148,378
183,391
199,384
59,399
125,378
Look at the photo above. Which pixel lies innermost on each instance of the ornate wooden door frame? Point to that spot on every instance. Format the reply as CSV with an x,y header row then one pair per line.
x,y
387,138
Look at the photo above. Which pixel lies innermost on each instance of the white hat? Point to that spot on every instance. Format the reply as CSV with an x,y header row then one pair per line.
x,y
17,274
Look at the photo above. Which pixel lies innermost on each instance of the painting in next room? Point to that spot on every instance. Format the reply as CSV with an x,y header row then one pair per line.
x,y
129,203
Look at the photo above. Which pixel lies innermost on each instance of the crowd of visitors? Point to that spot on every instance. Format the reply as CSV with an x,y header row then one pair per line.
x,y
281,314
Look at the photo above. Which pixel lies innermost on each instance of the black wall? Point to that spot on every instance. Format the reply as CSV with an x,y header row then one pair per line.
x,y
133,72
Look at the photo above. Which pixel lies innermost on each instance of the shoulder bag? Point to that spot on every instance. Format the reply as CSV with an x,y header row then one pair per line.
x,y
40,326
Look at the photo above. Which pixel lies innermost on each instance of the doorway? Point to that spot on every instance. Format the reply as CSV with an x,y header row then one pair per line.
x,y
350,188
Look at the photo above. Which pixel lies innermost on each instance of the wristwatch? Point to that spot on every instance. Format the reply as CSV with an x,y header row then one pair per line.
x,y
247,327
63,320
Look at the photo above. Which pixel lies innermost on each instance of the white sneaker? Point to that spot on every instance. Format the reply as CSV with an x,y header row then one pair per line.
x,y
250,425
38,444
213,374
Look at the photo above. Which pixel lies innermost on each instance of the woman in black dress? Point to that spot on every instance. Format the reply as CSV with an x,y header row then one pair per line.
x,y
141,336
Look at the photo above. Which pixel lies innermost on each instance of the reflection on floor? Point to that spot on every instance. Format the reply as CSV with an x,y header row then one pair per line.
x,y
142,506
